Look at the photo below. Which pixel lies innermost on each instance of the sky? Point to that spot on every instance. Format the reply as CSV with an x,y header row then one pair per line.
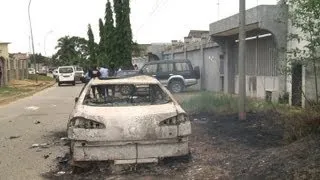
x,y
152,21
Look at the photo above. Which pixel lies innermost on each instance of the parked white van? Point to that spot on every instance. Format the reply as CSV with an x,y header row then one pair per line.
x,y
66,75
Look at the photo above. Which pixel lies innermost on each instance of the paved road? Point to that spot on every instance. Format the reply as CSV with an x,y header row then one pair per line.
x,y
51,108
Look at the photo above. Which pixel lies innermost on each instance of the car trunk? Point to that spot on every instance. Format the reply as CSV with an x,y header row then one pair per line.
x,y
138,123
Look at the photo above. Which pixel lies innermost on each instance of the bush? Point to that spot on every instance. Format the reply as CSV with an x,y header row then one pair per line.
x,y
299,123
40,77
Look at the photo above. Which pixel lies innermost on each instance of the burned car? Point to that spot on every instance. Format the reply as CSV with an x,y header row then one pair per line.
x,y
127,120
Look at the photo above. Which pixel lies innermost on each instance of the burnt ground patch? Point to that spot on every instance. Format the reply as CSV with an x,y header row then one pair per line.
x,y
222,147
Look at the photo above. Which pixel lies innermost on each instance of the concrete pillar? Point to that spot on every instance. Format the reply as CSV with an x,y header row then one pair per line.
x,y
226,70
229,76
203,69
185,51
5,73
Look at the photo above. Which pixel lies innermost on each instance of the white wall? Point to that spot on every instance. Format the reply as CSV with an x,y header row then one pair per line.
x,y
264,83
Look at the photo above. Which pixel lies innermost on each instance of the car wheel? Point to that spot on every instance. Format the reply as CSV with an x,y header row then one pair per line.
x,y
176,86
73,83
59,83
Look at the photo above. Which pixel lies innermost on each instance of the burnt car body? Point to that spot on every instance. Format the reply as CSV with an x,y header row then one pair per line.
x,y
139,122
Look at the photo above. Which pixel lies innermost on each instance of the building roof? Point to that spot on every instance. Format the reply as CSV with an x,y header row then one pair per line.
x,y
197,33
137,79
5,42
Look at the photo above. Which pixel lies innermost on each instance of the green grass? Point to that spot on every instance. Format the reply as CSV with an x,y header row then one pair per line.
x,y
208,102
10,91
40,77
297,122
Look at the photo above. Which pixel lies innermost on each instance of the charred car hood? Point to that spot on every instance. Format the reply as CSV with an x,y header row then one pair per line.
x,y
132,123
107,115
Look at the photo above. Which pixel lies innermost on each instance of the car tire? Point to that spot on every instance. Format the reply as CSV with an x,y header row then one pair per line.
x,y
73,83
176,86
59,83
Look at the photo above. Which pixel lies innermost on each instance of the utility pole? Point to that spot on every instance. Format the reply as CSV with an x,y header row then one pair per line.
x,y
33,54
242,50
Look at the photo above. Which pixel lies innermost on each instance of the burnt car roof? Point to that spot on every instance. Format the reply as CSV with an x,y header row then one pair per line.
x,y
135,79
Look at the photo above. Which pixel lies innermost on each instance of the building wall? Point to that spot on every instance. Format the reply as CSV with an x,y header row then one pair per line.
x,y
212,70
5,55
196,59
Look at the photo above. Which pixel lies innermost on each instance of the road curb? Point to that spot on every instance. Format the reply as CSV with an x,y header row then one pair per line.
x,y
24,95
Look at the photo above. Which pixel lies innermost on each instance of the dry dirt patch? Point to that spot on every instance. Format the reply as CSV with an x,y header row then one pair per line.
x,y
21,88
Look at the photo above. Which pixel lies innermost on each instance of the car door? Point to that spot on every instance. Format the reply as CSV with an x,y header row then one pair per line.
x,y
165,70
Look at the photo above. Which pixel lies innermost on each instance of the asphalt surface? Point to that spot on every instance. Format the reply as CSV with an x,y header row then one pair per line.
x,y
34,120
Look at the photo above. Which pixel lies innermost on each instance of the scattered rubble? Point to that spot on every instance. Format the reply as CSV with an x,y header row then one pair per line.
x,y
37,122
43,145
60,173
64,139
14,137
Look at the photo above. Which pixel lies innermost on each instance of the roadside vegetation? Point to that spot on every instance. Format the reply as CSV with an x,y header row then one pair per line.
x,y
275,142
40,78
297,122
22,88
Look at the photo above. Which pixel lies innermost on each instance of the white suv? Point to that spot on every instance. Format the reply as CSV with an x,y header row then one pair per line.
x,y
66,75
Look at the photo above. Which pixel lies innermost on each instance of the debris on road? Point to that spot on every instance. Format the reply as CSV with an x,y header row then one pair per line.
x,y
47,156
37,122
60,173
34,145
43,145
64,139
14,137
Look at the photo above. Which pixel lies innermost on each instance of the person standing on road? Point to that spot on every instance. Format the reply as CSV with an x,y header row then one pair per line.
x,y
136,67
104,72
94,73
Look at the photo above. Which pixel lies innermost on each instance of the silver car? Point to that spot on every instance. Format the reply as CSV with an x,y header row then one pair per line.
x,y
127,120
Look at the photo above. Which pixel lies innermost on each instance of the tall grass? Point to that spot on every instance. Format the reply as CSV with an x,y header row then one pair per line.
x,y
208,102
297,122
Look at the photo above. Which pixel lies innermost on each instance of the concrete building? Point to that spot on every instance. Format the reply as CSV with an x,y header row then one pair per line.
x,y
266,27
4,57
216,53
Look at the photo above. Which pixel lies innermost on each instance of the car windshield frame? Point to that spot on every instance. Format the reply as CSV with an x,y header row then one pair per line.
x,y
70,68
140,95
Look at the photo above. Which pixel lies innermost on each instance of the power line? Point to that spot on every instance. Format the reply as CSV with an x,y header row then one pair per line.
x,y
152,13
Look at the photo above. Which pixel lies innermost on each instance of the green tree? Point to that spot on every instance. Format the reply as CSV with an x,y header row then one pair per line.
x,y
123,33
91,47
109,32
101,48
71,51
304,16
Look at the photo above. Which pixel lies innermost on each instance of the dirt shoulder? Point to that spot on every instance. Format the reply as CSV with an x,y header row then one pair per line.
x,y
222,147
18,89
